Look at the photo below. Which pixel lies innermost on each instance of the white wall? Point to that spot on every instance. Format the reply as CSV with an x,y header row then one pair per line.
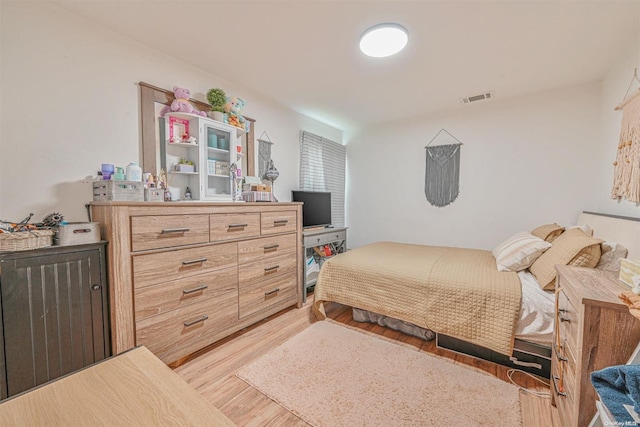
x,y
614,86
525,162
70,102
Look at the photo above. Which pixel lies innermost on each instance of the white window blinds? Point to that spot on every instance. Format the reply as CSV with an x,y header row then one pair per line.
x,y
322,168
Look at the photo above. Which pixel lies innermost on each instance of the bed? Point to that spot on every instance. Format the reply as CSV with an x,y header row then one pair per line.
x,y
458,295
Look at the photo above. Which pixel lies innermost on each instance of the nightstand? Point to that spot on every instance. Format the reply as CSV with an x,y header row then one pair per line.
x,y
336,236
593,330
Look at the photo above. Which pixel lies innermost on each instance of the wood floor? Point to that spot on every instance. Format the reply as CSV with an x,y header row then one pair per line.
x,y
212,373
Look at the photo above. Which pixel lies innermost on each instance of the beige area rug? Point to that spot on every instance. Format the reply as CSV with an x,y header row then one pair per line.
x,y
331,375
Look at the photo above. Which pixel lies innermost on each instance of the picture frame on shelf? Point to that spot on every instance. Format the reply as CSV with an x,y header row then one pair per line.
x,y
178,129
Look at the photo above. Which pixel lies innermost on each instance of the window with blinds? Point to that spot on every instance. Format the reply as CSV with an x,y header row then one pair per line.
x,y
322,168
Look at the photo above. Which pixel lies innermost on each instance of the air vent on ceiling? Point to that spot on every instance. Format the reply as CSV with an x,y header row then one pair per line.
x,y
474,98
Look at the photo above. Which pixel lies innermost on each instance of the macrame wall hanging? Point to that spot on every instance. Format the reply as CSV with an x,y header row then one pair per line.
x,y
264,154
626,172
442,172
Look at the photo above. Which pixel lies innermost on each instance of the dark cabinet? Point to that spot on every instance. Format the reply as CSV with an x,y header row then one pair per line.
x,y
54,314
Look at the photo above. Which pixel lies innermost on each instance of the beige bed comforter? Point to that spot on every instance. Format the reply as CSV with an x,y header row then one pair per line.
x,y
453,291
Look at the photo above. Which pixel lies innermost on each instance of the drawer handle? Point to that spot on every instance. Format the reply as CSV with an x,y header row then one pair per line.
x,y
275,291
194,261
198,320
559,388
279,222
174,230
270,247
560,357
268,269
190,291
237,225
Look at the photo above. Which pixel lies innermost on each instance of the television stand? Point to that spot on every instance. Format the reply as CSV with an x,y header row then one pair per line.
x,y
314,241
304,230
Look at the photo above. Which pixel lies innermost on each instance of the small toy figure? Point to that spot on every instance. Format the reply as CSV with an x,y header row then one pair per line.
x,y
187,194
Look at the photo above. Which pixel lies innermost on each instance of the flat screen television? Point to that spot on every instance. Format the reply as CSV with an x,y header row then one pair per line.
x,y
316,211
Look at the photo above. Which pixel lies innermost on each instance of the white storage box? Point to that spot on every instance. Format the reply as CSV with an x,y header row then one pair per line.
x,y
118,191
77,233
222,168
257,196
154,195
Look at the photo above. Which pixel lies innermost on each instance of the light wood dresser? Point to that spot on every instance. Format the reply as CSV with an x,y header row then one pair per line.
x,y
184,275
593,330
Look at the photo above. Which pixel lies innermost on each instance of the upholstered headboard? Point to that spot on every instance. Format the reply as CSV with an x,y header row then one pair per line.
x,y
620,229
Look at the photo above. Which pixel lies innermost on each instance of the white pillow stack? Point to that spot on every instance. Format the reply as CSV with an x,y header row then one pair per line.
x,y
585,227
519,251
612,254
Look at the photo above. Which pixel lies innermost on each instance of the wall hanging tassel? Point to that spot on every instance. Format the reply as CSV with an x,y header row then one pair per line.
x,y
442,172
264,154
626,172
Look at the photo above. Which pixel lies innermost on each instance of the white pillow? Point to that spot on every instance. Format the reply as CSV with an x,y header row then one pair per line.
x,y
519,251
585,227
612,253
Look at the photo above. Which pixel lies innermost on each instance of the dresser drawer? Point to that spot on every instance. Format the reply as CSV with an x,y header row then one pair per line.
x,y
233,226
267,293
568,319
152,269
565,368
266,248
324,238
250,274
180,332
155,232
158,299
565,407
564,384
277,222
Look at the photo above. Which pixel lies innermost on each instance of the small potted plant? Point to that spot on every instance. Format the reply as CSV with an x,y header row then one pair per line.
x,y
217,98
185,165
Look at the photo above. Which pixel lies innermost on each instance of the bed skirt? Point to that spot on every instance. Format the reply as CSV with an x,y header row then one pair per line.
x,y
527,356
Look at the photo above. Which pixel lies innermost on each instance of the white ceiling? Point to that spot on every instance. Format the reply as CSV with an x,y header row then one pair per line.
x,y
305,54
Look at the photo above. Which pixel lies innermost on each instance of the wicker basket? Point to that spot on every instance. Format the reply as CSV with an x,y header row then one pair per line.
x,y
25,240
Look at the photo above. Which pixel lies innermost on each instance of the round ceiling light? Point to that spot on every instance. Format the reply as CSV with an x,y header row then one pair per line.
x,y
383,40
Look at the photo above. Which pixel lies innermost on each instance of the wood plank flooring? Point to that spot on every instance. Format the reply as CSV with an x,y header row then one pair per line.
x,y
212,372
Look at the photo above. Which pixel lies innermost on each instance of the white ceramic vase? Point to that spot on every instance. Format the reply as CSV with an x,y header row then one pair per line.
x,y
216,115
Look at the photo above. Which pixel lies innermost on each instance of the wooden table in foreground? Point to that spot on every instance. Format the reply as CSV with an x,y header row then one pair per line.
x,y
132,389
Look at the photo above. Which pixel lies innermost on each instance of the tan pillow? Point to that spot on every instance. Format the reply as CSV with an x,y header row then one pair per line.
x,y
548,232
573,247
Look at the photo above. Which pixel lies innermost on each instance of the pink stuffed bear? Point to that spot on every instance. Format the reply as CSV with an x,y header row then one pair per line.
x,y
181,104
